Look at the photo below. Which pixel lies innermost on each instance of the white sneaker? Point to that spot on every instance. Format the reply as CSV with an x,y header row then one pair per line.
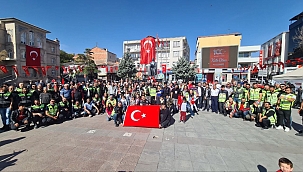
x,y
90,116
286,129
279,127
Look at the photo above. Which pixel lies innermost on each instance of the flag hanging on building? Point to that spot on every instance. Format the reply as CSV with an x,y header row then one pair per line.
x,y
25,68
48,67
163,68
43,70
158,41
36,69
15,70
3,69
142,116
148,50
33,57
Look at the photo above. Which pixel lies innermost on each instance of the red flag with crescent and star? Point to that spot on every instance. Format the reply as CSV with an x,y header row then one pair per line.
x,y
3,69
33,57
15,70
142,116
148,50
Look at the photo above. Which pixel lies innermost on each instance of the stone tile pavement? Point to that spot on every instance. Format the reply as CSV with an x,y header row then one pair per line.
x,y
208,142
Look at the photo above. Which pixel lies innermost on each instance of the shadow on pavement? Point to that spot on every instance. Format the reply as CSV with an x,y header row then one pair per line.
x,y
4,142
7,160
296,126
261,168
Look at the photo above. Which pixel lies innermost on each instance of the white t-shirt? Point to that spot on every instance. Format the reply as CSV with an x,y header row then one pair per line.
x,y
183,107
199,91
214,92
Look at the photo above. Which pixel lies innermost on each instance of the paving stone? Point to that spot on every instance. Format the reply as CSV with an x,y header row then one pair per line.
x,y
199,166
181,147
146,167
149,157
180,155
153,146
215,159
182,165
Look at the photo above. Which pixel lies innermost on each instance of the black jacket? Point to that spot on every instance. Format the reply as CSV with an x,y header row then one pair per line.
x,y
16,113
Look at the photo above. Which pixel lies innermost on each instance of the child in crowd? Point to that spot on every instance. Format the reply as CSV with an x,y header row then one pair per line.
x,y
183,110
109,111
285,165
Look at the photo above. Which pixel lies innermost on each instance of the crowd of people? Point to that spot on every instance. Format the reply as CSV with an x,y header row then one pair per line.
x,y
47,103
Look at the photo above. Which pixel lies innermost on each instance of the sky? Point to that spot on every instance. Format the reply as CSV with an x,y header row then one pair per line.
x,y
80,24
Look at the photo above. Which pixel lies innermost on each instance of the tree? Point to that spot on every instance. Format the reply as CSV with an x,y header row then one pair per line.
x,y
65,57
183,70
127,68
90,68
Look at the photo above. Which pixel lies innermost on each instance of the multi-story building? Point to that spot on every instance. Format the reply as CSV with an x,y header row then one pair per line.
x,y
169,51
14,36
294,50
106,61
274,51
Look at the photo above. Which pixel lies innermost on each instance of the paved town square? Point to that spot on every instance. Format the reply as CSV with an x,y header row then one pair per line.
x,y
208,142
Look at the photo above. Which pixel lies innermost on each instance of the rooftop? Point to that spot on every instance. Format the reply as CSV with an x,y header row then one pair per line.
x,y
25,23
235,34
297,17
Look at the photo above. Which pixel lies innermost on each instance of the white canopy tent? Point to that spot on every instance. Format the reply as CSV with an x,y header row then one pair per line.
x,y
295,77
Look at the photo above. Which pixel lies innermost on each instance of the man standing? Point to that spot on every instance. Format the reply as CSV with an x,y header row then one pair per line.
x,y
214,99
237,93
206,97
200,94
6,105
175,92
223,97
284,104
255,94
26,98
21,116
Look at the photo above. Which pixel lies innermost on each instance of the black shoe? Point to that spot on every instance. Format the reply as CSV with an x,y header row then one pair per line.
x,y
265,128
299,134
257,125
3,127
300,131
117,125
36,126
203,110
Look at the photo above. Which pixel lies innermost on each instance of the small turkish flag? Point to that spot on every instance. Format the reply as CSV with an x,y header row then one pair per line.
x,y
163,68
142,116
43,70
3,68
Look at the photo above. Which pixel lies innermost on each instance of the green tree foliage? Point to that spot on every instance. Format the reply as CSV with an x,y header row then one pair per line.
x,y
127,68
65,57
90,65
183,70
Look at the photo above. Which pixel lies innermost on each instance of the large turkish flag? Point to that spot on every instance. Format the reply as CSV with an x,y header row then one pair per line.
x,y
148,50
142,116
33,57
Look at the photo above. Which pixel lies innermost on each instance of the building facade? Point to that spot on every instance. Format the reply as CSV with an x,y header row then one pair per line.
x,y
169,51
294,50
274,51
14,36
106,61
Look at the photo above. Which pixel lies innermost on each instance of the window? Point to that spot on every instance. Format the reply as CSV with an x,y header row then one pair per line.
x,y
244,54
39,42
53,72
53,60
176,43
9,38
31,37
53,49
23,54
176,53
10,54
23,38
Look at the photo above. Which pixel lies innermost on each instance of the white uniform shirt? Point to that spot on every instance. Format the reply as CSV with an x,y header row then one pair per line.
x,y
214,92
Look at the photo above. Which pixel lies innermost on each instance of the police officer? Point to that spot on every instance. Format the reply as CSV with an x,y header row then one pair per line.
x,y
268,116
6,104
272,96
284,104
20,88
223,97
237,93
52,114
26,98
64,109
77,110
38,113
21,116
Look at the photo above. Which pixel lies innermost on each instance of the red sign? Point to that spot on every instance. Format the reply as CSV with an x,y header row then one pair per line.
x,y
219,57
142,116
33,57
261,57
163,68
278,48
148,50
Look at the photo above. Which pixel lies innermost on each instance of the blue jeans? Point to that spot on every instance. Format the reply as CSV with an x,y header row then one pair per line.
x,y
109,118
236,100
116,118
214,104
5,115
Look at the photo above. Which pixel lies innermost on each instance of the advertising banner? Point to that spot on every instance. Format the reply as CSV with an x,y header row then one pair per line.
x,y
219,57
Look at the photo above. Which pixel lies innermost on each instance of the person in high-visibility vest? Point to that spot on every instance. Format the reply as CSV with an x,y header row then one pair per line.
x,y
223,96
255,94
284,105
246,92
230,108
268,116
272,96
